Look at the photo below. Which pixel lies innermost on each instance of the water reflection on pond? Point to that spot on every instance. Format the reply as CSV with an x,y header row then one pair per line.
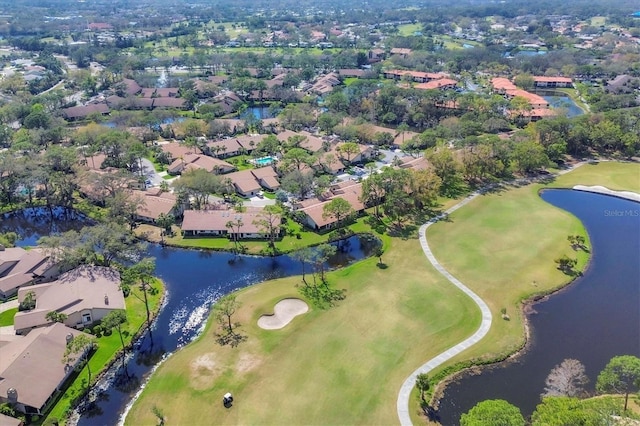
x,y
593,320
194,280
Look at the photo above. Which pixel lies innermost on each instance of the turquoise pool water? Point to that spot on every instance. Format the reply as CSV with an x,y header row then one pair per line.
x,y
264,161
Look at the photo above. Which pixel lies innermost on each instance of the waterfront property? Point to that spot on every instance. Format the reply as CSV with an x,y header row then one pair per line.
x,y
85,295
155,202
31,368
240,225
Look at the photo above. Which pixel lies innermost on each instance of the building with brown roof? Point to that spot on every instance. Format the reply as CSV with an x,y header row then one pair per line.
x,y
20,267
199,161
80,112
248,183
85,294
154,203
417,76
31,368
244,225
350,191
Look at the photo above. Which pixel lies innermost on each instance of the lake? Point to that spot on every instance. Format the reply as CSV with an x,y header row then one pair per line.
x,y
566,102
194,280
259,112
592,320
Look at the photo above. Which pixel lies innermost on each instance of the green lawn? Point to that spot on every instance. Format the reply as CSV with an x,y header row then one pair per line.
x,y
338,366
486,246
6,317
345,365
107,348
296,237
409,29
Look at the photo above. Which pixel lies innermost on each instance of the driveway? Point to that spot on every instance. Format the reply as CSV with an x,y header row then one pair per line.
x,y
150,173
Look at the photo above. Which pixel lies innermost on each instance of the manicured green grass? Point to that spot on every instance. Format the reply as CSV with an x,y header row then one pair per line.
x,y
486,245
290,242
6,317
338,366
613,175
108,346
345,365
598,21
409,29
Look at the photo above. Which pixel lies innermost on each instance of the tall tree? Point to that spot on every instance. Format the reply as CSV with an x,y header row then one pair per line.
x,y
422,383
268,221
621,375
80,346
141,273
116,319
493,412
338,209
223,311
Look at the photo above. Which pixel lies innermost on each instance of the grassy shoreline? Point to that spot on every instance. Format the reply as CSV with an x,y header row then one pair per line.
x,y
618,176
344,365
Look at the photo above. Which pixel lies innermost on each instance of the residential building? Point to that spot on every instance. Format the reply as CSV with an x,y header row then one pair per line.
x,y
243,225
31,368
199,161
156,202
20,267
85,295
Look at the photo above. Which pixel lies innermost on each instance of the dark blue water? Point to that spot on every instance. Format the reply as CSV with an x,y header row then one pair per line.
x,y
564,102
194,279
593,320
259,112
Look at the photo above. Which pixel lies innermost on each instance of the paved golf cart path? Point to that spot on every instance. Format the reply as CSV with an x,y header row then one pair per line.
x,y
485,325
402,404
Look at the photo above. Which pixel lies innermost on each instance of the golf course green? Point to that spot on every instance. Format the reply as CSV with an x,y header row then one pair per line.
x,y
344,365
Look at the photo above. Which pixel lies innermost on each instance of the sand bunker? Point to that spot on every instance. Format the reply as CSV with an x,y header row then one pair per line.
x,y
284,311
627,195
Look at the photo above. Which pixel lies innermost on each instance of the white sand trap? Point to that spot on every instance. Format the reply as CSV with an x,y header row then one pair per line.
x,y
284,311
627,195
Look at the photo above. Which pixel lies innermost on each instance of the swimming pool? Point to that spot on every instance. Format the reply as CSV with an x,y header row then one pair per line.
x,y
264,161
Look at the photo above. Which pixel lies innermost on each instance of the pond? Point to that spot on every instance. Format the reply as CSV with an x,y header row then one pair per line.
x,y
556,101
194,280
259,112
593,320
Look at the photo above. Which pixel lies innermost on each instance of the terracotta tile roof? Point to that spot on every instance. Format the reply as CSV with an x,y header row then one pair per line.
x,y
548,79
199,161
351,193
175,149
502,84
83,111
535,100
437,84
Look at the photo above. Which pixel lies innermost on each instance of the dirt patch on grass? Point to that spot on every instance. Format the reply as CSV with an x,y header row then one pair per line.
x,y
204,370
248,362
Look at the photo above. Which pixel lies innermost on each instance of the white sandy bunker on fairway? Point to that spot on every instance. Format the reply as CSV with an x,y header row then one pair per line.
x,y
284,311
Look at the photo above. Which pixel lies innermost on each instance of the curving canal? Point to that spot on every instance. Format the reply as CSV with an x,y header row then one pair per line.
x,y
194,279
593,320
